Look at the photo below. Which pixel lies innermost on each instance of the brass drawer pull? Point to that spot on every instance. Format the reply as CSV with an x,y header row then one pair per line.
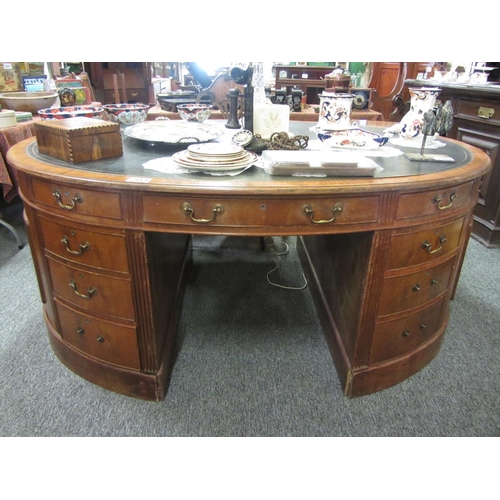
x,y
427,246
438,200
100,339
90,292
416,288
83,246
483,112
308,210
406,333
188,209
75,199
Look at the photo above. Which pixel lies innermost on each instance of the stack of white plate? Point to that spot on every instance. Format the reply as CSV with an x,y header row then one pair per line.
x,y
215,157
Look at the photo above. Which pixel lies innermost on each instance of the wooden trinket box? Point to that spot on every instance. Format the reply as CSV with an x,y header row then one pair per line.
x,y
79,139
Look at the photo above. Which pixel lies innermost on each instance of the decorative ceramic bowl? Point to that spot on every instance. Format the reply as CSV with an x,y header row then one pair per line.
x,y
27,101
126,114
351,138
194,112
70,112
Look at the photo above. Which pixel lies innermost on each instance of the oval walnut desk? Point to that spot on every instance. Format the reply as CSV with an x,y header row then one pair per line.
x,y
111,242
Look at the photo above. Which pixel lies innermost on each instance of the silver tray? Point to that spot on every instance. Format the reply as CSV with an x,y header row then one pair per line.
x,y
173,132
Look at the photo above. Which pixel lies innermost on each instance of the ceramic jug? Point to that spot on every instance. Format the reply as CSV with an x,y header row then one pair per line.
x,y
421,100
335,111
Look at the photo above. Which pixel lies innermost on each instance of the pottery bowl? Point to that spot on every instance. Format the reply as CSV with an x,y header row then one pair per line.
x,y
31,102
351,138
70,112
194,112
126,114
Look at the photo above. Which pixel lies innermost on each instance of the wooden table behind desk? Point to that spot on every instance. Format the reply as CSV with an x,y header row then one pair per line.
x,y
8,175
309,114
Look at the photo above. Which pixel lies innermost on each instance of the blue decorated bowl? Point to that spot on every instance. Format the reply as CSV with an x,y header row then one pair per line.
x,y
70,112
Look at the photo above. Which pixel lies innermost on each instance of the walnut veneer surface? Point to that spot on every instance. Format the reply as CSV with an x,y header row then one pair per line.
x,y
111,243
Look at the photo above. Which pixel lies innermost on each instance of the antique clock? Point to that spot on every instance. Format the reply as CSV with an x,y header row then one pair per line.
x,y
362,98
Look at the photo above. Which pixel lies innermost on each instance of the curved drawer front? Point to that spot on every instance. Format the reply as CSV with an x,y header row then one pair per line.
x,y
73,200
99,250
92,291
413,248
110,342
394,338
438,202
258,212
412,290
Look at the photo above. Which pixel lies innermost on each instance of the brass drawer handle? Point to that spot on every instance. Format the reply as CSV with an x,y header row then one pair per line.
x,y
83,246
99,338
487,113
74,200
427,246
90,292
308,210
188,209
438,200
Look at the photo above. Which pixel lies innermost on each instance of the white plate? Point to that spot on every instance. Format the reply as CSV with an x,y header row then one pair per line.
x,y
215,149
173,132
181,159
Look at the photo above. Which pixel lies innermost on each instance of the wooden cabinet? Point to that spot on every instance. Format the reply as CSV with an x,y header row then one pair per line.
x,y
477,122
135,75
381,255
309,79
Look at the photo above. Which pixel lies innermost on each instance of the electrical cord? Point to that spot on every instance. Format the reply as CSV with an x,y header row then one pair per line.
x,y
279,254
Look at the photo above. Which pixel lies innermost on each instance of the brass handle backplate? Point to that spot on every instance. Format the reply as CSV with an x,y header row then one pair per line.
x,y
74,200
483,112
90,292
188,210
438,200
83,246
308,210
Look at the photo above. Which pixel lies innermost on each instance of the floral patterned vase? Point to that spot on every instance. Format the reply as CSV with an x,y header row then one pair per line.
x,y
422,99
335,111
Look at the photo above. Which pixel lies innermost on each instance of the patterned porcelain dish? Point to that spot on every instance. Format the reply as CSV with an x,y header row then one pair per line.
x,y
70,112
126,114
351,138
194,112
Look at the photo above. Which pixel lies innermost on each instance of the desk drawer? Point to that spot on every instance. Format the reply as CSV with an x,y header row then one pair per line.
x,y
92,291
74,200
258,212
104,340
412,290
412,248
99,250
478,110
394,338
438,202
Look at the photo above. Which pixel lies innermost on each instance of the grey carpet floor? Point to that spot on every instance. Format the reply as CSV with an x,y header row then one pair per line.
x,y
252,359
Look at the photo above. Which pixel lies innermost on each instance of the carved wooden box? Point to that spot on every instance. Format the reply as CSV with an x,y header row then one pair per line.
x,y
79,139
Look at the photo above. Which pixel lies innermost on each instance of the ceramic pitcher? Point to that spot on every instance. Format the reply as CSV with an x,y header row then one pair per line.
x,y
421,100
335,111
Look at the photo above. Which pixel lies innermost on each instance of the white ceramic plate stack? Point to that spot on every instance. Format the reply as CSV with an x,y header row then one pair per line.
x,y
215,157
